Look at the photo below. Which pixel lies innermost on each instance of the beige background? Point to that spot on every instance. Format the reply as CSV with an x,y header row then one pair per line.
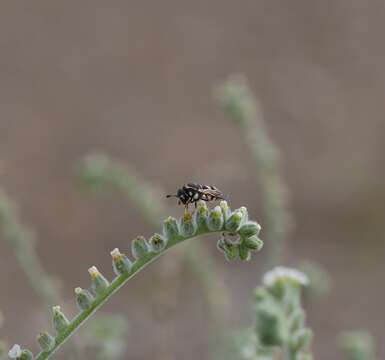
x,y
134,79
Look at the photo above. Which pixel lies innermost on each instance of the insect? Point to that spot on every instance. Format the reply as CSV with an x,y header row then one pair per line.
x,y
192,192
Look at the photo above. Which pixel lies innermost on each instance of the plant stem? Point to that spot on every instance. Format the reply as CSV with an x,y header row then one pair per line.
x,y
115,285
101,173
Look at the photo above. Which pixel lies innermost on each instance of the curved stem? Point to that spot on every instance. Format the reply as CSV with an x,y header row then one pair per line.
x,y
100,172
115,285
220,219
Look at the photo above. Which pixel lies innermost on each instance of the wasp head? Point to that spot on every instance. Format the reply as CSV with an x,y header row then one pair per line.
x,y
181,195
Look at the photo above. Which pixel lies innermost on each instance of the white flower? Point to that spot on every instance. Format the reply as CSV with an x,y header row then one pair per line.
x,y
285,274
94,272
15,352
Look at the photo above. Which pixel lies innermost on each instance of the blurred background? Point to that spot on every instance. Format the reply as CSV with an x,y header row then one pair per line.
x,y
134,80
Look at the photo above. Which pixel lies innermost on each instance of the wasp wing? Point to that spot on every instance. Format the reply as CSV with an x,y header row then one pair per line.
x,y
213,192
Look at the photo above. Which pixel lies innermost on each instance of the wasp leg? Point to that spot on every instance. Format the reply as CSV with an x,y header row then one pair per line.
x,y
186,209
195,203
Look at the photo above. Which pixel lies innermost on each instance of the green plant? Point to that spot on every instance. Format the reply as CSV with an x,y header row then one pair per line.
x,y
279,319
203,221
100,173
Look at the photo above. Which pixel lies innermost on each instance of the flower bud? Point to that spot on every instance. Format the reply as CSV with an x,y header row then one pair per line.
x,y
245,214
157,243
60,321
244,251
250,228
26,355
84,298
139,247
225,210
170,229
234,222
99,283
253,243
201,214
215,219
46,341
230,250
20,354
120,262
187,225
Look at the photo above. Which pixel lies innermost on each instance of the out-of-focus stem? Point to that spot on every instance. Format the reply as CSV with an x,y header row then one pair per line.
x,y
238,100
21,240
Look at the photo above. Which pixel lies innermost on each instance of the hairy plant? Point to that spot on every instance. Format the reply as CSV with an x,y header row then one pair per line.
x,y
220,219
98,172
237,99
279,319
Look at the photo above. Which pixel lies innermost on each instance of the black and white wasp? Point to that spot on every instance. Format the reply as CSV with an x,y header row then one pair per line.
x,y
192,192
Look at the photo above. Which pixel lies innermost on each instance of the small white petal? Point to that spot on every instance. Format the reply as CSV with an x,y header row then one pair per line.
x,y
282,273
115,252
15,352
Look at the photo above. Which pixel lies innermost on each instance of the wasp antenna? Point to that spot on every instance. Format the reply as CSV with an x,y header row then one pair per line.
x,y
168,196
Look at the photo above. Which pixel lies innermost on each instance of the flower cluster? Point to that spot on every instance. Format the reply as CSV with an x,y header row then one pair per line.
x,y
280,320
246,233
280,330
